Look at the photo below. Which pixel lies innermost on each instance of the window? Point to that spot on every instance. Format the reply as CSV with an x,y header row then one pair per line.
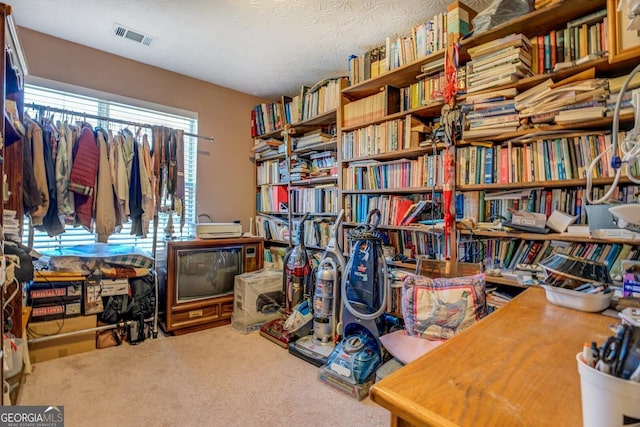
x,y
119,111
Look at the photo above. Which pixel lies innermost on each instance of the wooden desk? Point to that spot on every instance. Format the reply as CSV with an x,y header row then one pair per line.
x,y
516,367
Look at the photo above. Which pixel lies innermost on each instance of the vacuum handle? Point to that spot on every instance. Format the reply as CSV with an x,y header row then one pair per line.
x,y
372,212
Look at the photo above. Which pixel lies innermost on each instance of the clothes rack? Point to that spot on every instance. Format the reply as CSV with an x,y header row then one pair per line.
x,y
45,108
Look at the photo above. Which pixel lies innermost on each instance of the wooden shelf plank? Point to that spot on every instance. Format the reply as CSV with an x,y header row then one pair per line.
x,y
546,184
408,190
323,119
411,153
549,236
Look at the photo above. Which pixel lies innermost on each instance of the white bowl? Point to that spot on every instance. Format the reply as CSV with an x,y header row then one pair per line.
x,y
577,300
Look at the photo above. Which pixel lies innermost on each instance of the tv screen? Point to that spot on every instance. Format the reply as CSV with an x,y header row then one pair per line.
x,y
205,273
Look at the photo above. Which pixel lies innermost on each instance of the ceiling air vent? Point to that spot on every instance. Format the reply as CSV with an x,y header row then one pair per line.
x,y
128,33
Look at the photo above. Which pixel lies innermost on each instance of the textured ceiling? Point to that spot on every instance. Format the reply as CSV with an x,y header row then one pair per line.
x,y
265,48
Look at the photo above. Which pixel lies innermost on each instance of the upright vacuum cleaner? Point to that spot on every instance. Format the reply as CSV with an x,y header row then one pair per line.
x,y
326,304
351,366
296,284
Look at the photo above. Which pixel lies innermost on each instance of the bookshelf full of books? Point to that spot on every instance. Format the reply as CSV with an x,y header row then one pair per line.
x,y
296,166
391,140
536,144
535,95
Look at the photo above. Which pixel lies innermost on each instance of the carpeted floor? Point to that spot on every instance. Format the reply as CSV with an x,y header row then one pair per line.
x,y
216,377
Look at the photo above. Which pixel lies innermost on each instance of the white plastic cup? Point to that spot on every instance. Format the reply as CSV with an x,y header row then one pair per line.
x,y
607,400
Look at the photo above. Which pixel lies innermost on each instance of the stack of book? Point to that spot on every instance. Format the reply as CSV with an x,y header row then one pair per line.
x,y
615,85
312,139
578,98
300,169
10,225
490,114
498,62
262,145
323,164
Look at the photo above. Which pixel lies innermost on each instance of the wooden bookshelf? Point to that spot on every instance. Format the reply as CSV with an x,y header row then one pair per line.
x,y
320,121
537,22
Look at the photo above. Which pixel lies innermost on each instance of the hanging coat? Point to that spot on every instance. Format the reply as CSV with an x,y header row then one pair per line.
x,y
51,222
31,195
34,140
135,194
63,170
83,176
105,210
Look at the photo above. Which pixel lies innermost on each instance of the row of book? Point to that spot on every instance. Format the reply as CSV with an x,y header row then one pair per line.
x,y
272,198
394,210
481,206
319,199
272,228
314,101
548,159
323,97
582,38
427,90
407,244
410,243
510,253
266,118
423,39
385,137
271,172
317,232
371,108
375,175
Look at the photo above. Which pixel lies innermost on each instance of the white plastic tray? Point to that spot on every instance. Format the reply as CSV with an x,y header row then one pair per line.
x,y
577,300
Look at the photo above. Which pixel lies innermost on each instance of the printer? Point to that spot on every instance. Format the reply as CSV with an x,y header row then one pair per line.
x,y
218,230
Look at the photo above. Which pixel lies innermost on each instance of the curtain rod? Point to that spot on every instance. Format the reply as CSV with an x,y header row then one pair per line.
x,y
108,119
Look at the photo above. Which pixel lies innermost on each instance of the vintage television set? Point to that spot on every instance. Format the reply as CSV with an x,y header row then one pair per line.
x,y
199,280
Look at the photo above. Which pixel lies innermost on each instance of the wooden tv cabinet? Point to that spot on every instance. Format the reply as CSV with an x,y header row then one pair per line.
x,y
193,314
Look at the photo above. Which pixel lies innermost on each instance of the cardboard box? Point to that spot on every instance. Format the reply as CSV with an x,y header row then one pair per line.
x,y
459,17
63,346
257,299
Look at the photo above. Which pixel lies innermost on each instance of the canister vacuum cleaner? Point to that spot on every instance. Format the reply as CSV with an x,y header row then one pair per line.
x,y
326,304
296,284
351,366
